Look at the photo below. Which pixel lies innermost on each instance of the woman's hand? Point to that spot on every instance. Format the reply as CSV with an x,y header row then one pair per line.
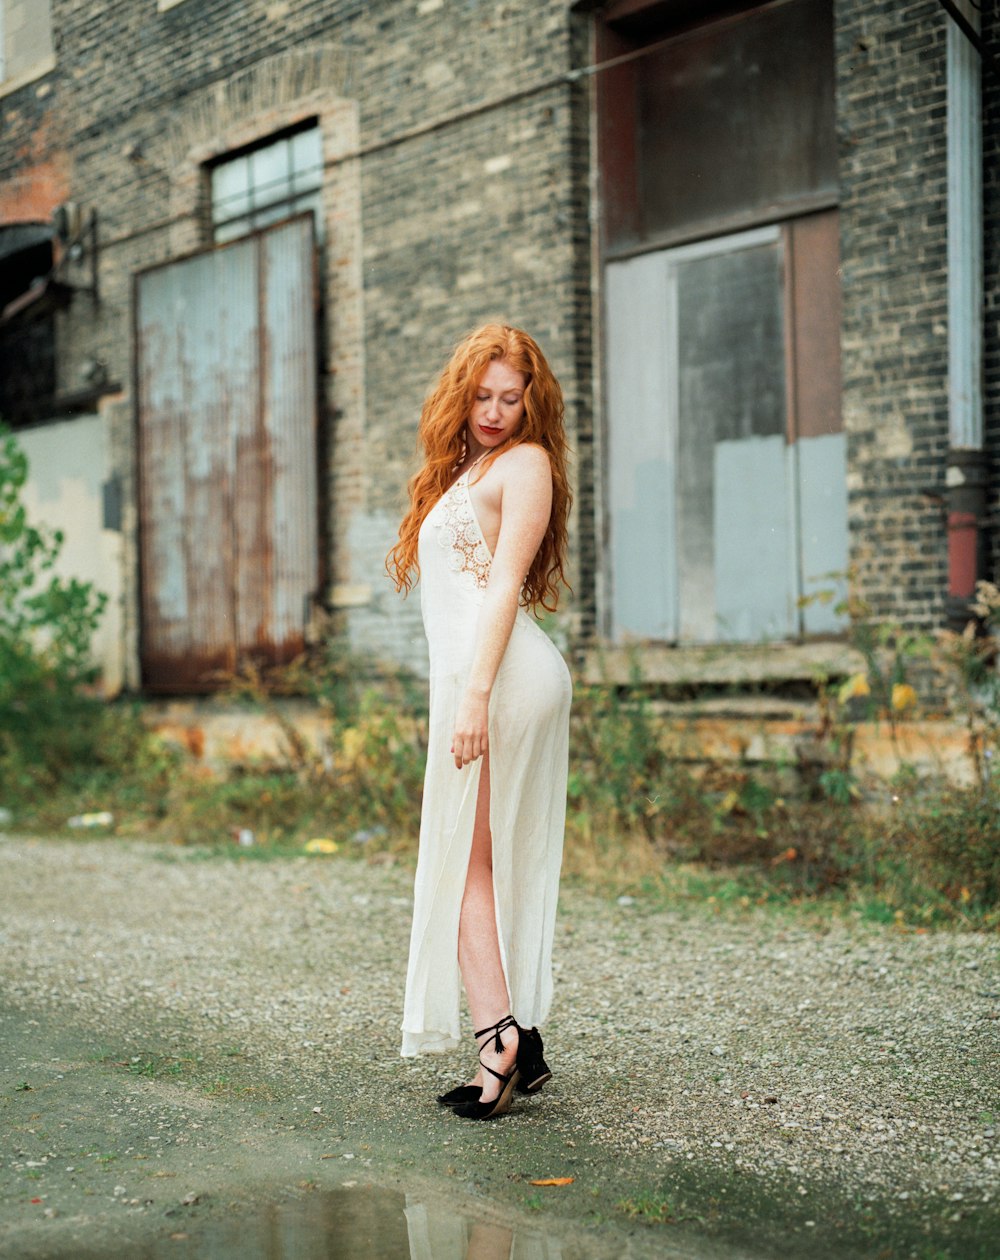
x,y
523,476
471,738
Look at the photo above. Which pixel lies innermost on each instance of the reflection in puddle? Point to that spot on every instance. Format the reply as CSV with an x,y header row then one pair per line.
x,y
442,1235
369,1223
366,1224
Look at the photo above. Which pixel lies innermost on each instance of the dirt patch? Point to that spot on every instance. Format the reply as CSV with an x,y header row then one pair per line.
x,y
196,1049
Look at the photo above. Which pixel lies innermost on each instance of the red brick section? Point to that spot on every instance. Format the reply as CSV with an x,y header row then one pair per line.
x,y
40,183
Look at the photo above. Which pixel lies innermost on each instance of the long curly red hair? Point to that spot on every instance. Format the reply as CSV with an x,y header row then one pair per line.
x,y
442,435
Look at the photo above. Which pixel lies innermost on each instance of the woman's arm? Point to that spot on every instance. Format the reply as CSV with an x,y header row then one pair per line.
x,y
525,476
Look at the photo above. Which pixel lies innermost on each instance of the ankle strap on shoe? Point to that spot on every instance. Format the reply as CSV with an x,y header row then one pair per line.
x,y
508,1021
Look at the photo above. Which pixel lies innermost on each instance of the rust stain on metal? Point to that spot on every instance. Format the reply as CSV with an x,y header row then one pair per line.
x,y
226,387
812,265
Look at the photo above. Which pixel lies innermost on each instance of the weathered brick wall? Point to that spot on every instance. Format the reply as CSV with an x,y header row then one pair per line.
x,y
484,216
470,222
891,120
585,382
991,266
488,214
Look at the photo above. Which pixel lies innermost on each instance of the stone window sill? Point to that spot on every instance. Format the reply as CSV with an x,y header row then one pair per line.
x,y
40,68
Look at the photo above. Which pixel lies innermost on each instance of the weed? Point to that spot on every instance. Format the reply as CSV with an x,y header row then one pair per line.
x,y
838,785
643,817
153,1066
649,1207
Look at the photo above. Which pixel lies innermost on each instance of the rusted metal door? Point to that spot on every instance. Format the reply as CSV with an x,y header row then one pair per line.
x,y
226,389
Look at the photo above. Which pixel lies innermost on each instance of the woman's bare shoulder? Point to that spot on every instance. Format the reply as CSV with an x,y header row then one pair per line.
x,y
525,458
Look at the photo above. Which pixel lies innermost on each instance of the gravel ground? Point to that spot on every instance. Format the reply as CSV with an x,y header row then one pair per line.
x,y
768,1076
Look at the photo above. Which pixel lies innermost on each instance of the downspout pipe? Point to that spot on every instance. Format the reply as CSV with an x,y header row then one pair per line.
x,y
967,473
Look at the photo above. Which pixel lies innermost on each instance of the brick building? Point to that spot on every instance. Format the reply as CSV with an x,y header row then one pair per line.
x,y
238,240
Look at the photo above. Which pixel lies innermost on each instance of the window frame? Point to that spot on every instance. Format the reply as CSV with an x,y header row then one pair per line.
x,y
291,202
629,28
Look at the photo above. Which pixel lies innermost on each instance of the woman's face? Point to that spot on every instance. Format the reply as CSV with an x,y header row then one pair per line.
x,y
497,406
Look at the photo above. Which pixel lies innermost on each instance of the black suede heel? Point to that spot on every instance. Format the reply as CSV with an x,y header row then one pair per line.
x,y
477,1109
460,1094
533,1071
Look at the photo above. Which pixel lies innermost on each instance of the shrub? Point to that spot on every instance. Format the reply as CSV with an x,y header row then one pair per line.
x,y
952,838
46,626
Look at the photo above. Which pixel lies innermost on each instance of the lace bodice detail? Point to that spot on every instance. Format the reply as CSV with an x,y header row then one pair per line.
x,y
458,532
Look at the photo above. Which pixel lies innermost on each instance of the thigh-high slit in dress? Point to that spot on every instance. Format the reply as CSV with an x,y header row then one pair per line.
x,y
528,750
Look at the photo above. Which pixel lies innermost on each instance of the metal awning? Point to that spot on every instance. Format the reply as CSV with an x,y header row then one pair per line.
x,y
15,238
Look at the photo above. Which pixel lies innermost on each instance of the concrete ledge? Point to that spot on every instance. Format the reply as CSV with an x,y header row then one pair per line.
x,y
930,747
718,664
45,65
220,738
224,737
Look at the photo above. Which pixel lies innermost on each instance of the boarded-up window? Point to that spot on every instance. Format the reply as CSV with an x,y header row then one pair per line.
x,y
227,457
726,495
727,488
728,124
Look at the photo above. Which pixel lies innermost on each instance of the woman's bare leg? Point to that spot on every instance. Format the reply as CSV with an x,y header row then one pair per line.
x,y
479,946
488,1242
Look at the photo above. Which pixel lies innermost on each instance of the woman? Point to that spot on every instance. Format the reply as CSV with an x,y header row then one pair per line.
x,y
486,531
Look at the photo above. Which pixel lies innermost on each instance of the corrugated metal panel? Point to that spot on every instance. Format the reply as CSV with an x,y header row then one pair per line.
x,y
226,363
822,465
289,394
642,460
753,544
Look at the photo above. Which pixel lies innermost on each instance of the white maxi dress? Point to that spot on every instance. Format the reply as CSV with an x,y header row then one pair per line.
x,y
528,750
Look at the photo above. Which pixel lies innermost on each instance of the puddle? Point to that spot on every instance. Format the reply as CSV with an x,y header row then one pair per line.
x,y
368,1223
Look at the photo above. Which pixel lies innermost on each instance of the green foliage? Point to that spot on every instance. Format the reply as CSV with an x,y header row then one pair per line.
x,y
367,778
46,625
652,1208
621,777
838,785
46,622
953,834
646,815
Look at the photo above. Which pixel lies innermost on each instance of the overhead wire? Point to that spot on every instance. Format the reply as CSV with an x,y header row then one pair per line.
x,y
562,79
